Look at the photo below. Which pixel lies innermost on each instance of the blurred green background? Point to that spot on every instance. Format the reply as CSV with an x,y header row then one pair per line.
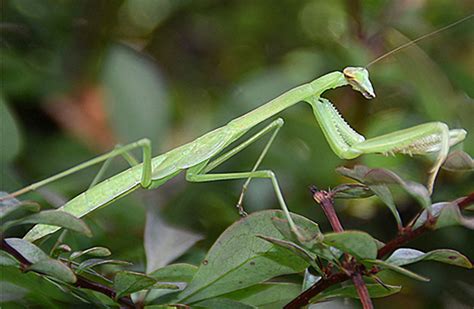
x,y
78,77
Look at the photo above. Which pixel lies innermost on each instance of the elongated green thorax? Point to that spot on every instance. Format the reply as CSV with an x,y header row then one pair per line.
x,y
290,98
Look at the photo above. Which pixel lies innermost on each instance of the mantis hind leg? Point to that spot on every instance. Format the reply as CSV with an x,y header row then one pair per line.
x,y
421,139
123,150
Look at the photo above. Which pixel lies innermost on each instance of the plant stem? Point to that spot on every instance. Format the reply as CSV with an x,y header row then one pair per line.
x,y
81,282
362,291
326,200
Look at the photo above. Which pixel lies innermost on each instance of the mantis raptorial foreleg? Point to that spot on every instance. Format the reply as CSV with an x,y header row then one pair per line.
x,y
144,143
420,139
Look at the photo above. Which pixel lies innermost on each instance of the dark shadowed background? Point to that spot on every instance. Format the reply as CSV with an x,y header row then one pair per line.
x,y
78,77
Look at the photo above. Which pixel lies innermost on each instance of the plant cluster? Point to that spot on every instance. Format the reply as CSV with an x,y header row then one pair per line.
x,y
256,263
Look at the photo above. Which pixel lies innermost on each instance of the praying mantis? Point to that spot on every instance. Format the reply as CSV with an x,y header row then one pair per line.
x,y
199,157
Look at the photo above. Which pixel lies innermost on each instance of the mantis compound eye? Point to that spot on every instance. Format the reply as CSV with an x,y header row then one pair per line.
x,y
358,78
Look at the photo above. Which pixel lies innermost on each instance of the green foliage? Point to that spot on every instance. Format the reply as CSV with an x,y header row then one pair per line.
x,y
78,79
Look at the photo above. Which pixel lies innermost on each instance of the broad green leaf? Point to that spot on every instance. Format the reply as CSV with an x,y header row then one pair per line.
x,y
239,259
10,292
451,215
28,250
384,176
295,249
352,190
7,260
359,244
136,96
56,218
54,268
407,256
458,160
398,269
10,206
309,229
127,282
384,194
381,190
38,285
96,262
222,303
10,139
266,295
174,273
94,251
447,214
375,291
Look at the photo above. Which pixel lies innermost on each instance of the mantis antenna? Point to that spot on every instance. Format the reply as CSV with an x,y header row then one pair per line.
x,y
393,51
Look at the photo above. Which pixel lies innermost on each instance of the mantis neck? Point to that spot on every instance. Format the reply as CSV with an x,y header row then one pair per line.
x,y
315,88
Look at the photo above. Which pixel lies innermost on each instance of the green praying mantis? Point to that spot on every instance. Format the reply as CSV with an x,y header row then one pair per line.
x,y
199,157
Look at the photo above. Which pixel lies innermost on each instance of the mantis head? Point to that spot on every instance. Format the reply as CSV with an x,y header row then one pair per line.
x,y
358,78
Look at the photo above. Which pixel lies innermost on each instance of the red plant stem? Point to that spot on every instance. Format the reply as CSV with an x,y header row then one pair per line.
x,y
362,291
325,199
81,282
304,298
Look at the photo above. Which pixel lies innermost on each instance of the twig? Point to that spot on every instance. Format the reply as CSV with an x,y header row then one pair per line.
x,y
81,282
326,200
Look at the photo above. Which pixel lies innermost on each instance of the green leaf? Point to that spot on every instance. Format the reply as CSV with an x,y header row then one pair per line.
x,y
222,303
28,250
447,214
266,295
96,262
54,268
407,256
94,251
43,289
175,273
10,206
7,260
375,291
239,259
56,218
396,268
10,139
384,176
458,161
358,244
309,229
381,190
352,190
127,282
295,249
